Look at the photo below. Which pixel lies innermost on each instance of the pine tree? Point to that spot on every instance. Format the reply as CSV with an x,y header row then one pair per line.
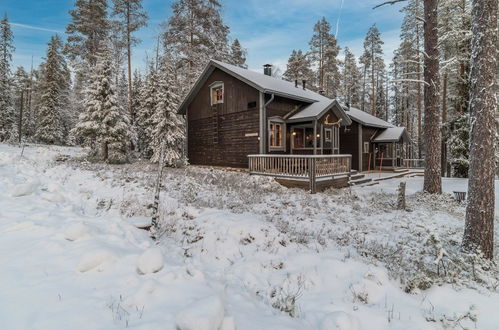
x,y
373,59
323,54
195,33
238,54
103,123
55,83
19,87
479,227
131,18
168,131
351,79
89,26
298,68
148,95
432,179
6,102
459,150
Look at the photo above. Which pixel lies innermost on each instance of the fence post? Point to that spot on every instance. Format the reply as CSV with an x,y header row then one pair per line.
x,y
311,175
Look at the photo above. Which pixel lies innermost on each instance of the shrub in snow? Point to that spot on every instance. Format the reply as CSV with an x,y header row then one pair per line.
x,y
340,321
203,314
151,261
76,231
95,260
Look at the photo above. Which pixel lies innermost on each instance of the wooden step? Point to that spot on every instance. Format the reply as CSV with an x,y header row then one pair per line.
x,y
356,177
360,181
400,170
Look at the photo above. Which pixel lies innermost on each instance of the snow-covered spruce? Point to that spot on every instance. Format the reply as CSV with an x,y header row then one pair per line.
x,y
104,123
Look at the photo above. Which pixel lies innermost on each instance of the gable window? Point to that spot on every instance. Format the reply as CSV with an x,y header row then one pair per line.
x,y
217,92
366,147
276,134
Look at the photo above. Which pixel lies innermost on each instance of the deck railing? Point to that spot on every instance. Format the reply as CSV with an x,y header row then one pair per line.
x,y
301,167
414,163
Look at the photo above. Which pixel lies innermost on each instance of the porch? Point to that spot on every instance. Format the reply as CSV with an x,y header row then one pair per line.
x,y
318,171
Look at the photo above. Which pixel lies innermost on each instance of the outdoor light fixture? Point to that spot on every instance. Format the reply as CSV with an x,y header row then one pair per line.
x,y
318,135
294,133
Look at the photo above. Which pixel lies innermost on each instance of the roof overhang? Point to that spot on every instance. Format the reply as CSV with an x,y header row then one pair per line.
x,y
393,134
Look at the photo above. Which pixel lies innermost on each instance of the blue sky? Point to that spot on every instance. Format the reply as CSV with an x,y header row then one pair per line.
x,y
269,29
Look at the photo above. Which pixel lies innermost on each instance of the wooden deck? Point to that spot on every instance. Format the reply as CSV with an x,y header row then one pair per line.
x,y
303,168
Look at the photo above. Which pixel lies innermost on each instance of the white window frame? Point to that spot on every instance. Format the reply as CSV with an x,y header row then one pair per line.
x,y
326,131
216,85
366,147
336,139
277,121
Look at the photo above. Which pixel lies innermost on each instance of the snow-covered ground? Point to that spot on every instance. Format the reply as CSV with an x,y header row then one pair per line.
x,y
236,252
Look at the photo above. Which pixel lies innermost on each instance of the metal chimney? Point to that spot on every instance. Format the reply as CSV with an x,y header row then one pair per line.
x,y
267,69
322,92
304,82
296,83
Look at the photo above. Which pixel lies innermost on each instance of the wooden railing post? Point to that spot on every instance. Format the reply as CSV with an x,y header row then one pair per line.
x,y
312,174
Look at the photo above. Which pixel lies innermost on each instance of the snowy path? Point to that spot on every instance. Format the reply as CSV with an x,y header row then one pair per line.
x,y
70,261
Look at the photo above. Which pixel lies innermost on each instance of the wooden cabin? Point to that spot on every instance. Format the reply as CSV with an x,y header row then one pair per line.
x,y
373,143
241,118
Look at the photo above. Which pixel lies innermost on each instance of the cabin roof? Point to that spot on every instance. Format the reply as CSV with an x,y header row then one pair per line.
x,y
393,134
318,104
366,119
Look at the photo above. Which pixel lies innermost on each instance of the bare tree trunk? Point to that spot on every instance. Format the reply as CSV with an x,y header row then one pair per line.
x,y
401,197
157,190
432,178
129,58
444,129
418,99
479,227
373,88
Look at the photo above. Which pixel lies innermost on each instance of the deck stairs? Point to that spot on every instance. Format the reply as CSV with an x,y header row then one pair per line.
x,y
356,178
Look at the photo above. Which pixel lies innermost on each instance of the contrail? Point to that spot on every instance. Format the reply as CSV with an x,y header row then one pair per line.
x,y
34,27
338,21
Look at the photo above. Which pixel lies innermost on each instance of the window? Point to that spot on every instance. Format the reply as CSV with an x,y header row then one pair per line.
x,y
217,92
328,135
366,147
276,135
251,105
303,138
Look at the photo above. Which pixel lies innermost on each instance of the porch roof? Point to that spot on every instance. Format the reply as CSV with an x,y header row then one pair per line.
x,y
393,134
366,119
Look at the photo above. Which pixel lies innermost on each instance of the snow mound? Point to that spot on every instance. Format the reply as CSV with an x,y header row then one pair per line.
x,y
340,321
76,231
139,222
204,314
228,323
151,261
95,260
54,197
25,189
5,158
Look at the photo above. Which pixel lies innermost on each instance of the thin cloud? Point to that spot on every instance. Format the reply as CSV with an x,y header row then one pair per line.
x,y
25,26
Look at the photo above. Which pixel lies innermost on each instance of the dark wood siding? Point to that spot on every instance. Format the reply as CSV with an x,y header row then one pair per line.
x,y
217,134
367,134
349,143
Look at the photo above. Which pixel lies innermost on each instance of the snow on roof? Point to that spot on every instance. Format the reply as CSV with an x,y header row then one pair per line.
x,y
366,119
270,84
319,104
393,134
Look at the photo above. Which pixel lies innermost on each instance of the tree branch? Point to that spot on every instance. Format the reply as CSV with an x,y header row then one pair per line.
x,y
391,2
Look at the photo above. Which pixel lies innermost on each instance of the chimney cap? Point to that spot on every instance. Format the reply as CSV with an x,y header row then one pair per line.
x,y
267,65
304,82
